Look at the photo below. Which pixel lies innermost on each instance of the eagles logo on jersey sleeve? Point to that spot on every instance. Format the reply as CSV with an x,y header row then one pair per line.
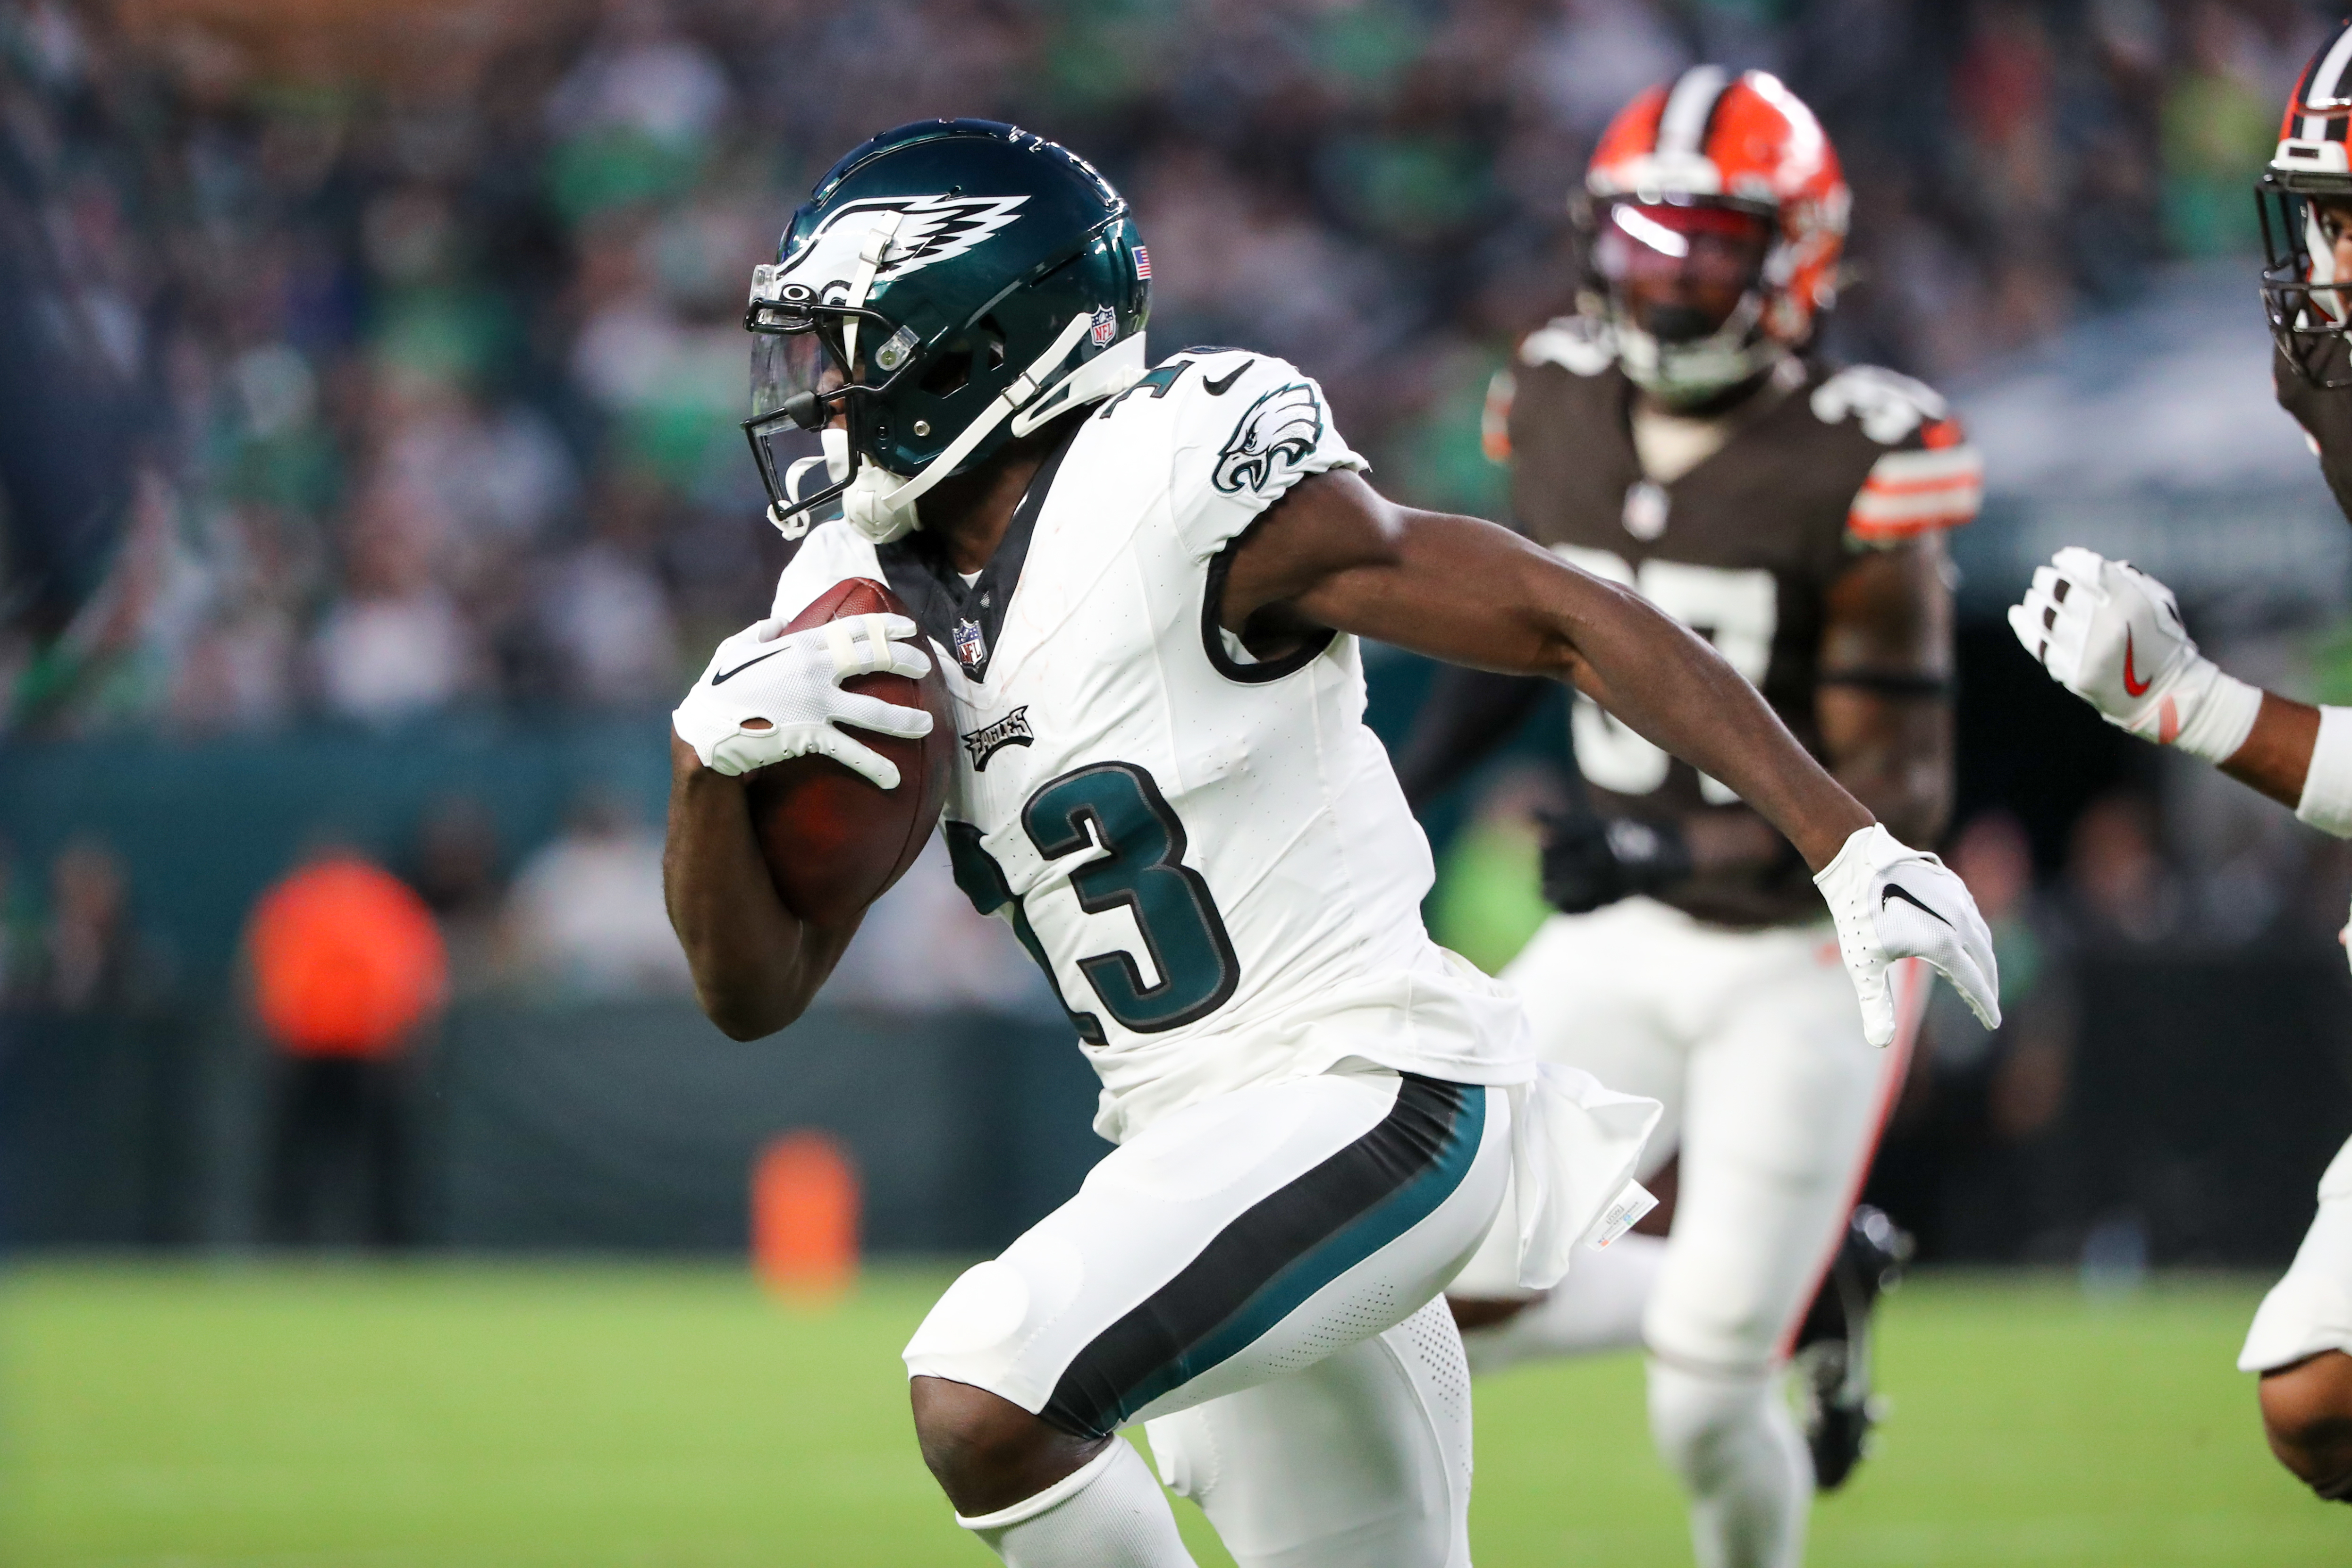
x,y
1246,427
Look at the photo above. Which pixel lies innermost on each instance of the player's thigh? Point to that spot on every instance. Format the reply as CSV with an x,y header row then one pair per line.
x,y
1361,1461
2310,1309
1786,1100
1233,1242
1601,992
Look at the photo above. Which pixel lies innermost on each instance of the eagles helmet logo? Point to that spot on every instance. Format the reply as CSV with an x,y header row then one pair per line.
x,y
932,230
1278,431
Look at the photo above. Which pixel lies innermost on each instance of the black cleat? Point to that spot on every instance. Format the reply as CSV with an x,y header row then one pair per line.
x,y
1832,1357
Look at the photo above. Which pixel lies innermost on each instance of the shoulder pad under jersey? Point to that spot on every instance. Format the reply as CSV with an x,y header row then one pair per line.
x,y
1583,344
1930,478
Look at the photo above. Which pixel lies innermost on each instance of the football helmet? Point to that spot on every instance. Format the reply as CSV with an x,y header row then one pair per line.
x,y
2308,310
1712,187
947,286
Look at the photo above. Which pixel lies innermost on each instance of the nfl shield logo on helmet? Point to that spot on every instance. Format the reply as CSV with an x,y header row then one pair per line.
x,y
1106,326
971,648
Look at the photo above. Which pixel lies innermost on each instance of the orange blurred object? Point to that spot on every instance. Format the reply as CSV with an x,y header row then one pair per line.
x,y
346,960
805,1203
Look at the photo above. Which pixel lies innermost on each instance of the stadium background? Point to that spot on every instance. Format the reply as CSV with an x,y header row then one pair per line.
x,y
368,477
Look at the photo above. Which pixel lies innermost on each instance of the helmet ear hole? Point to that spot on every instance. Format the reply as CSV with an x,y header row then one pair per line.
x,y
993,341
951,374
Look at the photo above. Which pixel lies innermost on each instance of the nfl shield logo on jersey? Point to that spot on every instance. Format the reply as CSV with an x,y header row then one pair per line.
x,y
1105,325
971,648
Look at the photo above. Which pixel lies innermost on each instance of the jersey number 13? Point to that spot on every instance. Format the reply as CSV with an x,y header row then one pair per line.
x,y
1141,869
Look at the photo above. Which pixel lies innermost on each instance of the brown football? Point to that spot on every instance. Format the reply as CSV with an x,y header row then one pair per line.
x,y
832,842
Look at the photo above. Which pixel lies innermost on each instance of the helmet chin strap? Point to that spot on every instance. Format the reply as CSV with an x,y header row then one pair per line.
x,y
883,512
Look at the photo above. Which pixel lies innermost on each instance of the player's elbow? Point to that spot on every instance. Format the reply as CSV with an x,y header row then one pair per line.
x,y
748,1012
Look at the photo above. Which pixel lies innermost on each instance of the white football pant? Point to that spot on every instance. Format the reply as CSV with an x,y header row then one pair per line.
x,y
1255,1276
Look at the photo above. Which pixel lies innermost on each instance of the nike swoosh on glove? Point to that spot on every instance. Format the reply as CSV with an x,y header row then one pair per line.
x,y
2113,636
768,696
1891,903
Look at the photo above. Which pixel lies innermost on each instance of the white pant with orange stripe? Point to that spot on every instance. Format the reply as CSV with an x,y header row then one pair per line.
x,y
1752,1041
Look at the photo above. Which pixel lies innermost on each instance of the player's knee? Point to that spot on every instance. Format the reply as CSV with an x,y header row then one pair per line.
x,y
986,1452
2307,1415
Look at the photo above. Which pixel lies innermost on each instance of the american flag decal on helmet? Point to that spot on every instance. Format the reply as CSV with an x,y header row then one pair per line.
x,y
1142,263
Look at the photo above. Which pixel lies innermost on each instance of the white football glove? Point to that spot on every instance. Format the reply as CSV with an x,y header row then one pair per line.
x,y
2113,636
767,696
1892,902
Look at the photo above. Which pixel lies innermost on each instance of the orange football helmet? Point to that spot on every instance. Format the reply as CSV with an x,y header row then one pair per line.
x,y
1720,188
2301,291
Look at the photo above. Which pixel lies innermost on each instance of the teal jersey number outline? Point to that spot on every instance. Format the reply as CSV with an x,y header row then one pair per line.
x,y
1142,872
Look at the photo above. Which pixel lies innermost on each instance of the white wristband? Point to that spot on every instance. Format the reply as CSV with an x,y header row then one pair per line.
x,y
2221,720
2326,802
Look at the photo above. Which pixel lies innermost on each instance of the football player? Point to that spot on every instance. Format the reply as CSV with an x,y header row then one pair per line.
x,y
1677,437
1144,587
2113,636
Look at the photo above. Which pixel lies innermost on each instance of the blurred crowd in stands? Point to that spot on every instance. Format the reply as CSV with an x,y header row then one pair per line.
x,y
414,323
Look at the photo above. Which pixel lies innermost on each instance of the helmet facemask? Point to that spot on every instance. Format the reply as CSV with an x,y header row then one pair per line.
x,y
1685,283
2306,296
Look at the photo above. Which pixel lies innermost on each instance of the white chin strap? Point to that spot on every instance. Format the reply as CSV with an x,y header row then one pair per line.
x,y
881,505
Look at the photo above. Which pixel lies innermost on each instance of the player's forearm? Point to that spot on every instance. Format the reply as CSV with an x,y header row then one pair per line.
x,y
755,967
1674,689
1473,594
2276,756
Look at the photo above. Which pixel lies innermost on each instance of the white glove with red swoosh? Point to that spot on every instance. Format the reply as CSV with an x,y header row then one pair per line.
x,y
2113,636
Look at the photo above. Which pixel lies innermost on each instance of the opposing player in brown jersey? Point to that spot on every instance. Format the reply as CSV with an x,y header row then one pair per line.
x,y
2114,636
1677,436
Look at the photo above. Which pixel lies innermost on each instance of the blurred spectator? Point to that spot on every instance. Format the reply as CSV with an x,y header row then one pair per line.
x,y
458,876
2119,889
1488,899
89,958
586,919
391,644
347,967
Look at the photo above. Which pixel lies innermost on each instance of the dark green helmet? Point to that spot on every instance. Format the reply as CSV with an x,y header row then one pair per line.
x,y
948,286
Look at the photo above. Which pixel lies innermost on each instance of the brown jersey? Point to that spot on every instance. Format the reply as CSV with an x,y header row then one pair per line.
x,y
1742,548
2325,414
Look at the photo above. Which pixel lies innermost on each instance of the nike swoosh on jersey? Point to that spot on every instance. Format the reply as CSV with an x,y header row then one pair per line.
x,y
729,675
2131,688
1905,894
1219,388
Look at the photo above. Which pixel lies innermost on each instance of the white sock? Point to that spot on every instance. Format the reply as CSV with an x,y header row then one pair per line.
x,y
1598,1307
1109,1513
1737,1449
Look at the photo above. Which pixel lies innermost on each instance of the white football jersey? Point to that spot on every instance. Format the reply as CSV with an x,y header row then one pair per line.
x,y
1209,856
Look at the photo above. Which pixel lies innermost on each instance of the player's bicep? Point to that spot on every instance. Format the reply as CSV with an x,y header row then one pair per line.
x,y
1336,554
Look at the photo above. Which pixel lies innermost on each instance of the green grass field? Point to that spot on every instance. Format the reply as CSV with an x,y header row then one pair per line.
x,y
449,1416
